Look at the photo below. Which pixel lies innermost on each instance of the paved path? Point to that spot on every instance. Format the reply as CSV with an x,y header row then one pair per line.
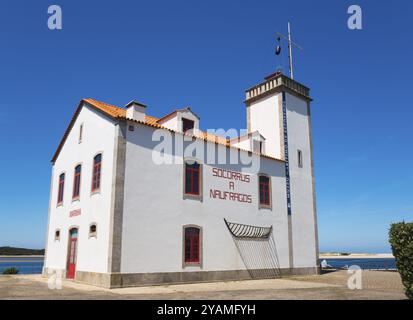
x,y
376,285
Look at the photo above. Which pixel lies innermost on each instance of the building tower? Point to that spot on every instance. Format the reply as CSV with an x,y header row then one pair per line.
x,y
279,109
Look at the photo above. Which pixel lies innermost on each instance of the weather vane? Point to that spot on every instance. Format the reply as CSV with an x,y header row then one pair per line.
x,y
290,48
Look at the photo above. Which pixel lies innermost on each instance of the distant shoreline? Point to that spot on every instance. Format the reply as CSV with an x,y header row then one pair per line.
x,y
357,256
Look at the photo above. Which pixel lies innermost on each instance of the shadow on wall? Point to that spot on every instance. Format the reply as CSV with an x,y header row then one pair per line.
x,y
259,256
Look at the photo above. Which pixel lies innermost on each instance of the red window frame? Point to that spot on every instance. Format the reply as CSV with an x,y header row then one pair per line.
x,y
192,245
76,182
187,125
61,189
96,172
192,178
264,191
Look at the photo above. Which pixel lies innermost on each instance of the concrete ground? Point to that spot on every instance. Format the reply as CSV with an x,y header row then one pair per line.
x,y
376,285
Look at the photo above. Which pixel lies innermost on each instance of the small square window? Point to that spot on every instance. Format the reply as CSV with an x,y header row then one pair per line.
x,y
131,128
92,230
187,125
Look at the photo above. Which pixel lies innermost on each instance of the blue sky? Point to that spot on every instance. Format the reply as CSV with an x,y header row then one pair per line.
x,y
170,54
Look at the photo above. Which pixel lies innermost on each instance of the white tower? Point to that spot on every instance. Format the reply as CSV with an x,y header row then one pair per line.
x,y
279,109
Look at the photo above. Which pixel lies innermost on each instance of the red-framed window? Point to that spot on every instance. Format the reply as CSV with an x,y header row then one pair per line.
x,y
192,178
187,125
97,168
192,245
265,191
61,189
76,182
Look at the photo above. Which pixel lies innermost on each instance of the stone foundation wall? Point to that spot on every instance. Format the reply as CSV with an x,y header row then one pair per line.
x,y
119,280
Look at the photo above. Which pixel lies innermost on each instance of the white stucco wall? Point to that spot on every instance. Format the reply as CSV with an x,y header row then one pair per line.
x,y
301,183
155,209
265,118
98,137
155,213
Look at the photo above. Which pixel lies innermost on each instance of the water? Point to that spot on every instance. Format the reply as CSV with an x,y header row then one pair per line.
x,y
25,265
365,264
34,265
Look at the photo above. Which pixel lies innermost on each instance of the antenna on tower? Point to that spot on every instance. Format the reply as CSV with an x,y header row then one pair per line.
x,y
290,48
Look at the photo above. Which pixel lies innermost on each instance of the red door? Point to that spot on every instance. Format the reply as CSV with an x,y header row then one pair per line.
x,y
71,255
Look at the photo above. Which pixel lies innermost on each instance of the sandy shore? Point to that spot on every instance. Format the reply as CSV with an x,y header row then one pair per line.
x,y
376,285
356,256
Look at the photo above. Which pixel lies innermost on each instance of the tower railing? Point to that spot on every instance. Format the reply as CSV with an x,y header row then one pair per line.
x,y
277,82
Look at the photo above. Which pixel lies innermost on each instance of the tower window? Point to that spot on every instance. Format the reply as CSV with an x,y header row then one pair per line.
x,y
80,133
300,158
192,178
187,125
61,188
192,250
97,168
76,182
265,191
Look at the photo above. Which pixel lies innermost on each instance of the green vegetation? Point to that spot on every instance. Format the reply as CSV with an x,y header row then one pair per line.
x,y
11,271
10,251
401,241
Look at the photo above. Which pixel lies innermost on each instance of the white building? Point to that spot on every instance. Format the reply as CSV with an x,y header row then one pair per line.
x,y
119,217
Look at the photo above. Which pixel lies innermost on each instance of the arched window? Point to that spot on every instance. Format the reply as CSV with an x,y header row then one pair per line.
x,y
61,189
93,230
192,178
57,235
76,182
192,246
97,168
265,191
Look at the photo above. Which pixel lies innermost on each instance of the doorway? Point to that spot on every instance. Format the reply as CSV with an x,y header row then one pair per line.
x,y
72,253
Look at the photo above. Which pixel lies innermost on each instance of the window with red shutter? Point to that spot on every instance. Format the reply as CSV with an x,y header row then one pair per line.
x,y
96,175
192,245
76,182
192,179
61,189
264,191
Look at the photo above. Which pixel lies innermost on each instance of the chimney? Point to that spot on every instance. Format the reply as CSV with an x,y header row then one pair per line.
x,y
135,111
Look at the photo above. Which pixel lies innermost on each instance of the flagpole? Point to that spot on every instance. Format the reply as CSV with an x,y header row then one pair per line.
x,y
290,49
